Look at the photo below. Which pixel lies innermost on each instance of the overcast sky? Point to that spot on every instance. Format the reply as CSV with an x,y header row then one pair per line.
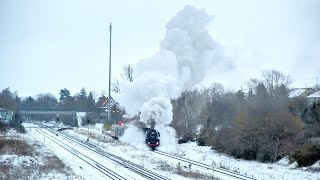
x,y
49,45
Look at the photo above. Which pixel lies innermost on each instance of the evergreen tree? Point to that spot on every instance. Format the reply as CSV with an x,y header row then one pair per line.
x,y
67,102
90,102
64,95
83,93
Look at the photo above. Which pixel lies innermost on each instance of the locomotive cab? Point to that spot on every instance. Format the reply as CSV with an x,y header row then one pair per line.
x,y
152,138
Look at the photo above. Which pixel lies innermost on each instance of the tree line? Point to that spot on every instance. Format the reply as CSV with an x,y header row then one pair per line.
x,y
259,123
46,101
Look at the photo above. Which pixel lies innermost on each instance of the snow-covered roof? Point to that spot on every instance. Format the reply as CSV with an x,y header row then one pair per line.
x,y
297,92
314,95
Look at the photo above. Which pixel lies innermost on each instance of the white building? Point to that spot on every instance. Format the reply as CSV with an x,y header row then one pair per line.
x,y
314,98
300,92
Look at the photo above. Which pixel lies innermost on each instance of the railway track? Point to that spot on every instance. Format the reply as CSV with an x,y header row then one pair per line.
x,y
96,165
206,166
141,170
125,163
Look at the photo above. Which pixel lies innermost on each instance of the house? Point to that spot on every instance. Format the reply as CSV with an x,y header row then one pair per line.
x,y
116,111
314,98
300,92
103,105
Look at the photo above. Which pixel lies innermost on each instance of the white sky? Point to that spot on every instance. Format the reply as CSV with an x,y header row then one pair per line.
x,y
49,45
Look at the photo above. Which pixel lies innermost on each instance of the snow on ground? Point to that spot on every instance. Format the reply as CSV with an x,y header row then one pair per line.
x,y
36,162
279,170
165,165
78,165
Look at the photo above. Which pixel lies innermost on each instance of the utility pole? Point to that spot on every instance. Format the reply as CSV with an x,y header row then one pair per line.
x,y
109,99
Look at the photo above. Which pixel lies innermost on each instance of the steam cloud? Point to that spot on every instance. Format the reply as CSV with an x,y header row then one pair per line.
x,y
186,51
192,45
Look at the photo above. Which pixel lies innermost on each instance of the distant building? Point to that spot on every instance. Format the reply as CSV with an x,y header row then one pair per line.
x,y
116,111
103,105
300,92
314,98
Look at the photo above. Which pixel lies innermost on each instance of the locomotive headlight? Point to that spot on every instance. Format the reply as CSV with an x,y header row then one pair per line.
x,y
148,142
157,142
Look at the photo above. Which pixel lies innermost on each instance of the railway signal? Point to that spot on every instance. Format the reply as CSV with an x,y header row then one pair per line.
x,y
88,122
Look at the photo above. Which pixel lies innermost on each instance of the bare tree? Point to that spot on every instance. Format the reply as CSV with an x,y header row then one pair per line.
x,y
128,73
8,99
187,110
273,79
252,83
45,101
115,86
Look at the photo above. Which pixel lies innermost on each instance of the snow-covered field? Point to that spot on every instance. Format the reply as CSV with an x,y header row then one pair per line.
x,y
35,162
157,163
165,166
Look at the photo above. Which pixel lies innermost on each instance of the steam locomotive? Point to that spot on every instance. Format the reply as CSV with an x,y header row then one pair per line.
x,y
152,138
151,135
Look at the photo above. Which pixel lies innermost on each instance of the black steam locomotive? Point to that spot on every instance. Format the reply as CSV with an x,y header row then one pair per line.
x,y
152,138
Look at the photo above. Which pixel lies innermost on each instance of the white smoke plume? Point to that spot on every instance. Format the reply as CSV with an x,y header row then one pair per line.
x,y
192,45
158,109
155,77
187,50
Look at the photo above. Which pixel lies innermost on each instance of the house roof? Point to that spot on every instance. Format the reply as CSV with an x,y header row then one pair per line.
x,y
314,95
298,92
103,102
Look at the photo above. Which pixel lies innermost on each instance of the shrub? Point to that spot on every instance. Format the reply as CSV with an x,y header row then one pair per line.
x,y
201,141
15,146
185,138
203,137
107,125
2,127
308,132
217,139
20,129
266,139
306,155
